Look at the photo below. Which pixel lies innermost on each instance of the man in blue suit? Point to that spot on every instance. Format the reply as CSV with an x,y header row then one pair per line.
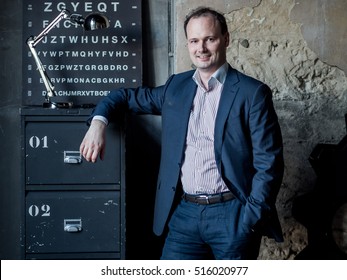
x,y
221,150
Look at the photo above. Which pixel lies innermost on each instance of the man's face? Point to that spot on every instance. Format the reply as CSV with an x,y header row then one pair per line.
x,y
206,44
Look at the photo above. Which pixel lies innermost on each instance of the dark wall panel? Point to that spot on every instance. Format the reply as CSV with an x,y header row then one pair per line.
x,y
10,99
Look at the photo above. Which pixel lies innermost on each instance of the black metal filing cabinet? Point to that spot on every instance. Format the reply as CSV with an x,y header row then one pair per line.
x,y
74,209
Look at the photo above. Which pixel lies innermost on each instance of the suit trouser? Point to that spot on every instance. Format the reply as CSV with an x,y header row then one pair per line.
x,y
209,231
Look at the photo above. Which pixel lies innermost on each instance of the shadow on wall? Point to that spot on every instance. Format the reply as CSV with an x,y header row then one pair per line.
x,y
324,211
142,161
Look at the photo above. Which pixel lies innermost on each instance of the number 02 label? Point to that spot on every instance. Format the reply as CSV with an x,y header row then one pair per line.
x,y
44,211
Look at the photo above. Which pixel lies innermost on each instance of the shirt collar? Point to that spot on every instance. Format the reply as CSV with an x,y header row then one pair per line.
x,y
220,75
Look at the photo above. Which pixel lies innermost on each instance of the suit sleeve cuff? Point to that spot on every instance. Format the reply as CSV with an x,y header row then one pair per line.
x,y
101,118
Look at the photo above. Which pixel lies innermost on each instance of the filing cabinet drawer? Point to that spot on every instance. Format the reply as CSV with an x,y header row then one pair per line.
x,y
52,154
73,222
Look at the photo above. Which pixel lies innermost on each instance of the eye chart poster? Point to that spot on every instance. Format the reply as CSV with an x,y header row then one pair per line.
x,y
82,65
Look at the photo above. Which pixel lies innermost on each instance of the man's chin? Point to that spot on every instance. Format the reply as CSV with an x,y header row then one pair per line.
x,y
202,65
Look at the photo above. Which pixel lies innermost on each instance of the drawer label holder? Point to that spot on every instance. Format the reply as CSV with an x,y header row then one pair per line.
x,y
72,157
73,225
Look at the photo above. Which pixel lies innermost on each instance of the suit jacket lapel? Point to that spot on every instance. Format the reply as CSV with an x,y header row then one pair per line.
x,y
185,100
229,92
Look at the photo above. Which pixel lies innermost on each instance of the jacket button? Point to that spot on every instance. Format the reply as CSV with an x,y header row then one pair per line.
x,y
173,188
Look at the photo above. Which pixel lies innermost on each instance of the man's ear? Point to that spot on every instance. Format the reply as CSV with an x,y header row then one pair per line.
x,y
227,39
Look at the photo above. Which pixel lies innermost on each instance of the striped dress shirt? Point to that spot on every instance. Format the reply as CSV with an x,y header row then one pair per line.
x,y
199,173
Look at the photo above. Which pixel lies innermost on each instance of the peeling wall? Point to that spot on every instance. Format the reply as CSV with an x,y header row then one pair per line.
x,y
297,49
323,25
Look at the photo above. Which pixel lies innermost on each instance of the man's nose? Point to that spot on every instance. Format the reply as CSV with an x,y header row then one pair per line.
x,y
202,46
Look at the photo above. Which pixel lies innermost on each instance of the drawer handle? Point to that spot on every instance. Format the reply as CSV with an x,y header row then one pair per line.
x,y
72,157
72,225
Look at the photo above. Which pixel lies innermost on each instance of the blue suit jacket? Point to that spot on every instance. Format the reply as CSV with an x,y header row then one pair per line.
x,y
248,142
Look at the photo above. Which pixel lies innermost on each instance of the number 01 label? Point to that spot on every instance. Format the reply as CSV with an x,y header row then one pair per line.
x,y
36,142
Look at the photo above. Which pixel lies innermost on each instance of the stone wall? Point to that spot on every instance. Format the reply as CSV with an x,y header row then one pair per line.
x,y
298,50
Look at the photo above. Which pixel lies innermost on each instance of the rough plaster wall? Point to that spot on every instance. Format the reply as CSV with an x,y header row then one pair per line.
x,y
324,29
310,95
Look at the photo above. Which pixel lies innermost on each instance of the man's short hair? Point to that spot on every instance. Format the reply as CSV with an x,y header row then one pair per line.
x,y
206,11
